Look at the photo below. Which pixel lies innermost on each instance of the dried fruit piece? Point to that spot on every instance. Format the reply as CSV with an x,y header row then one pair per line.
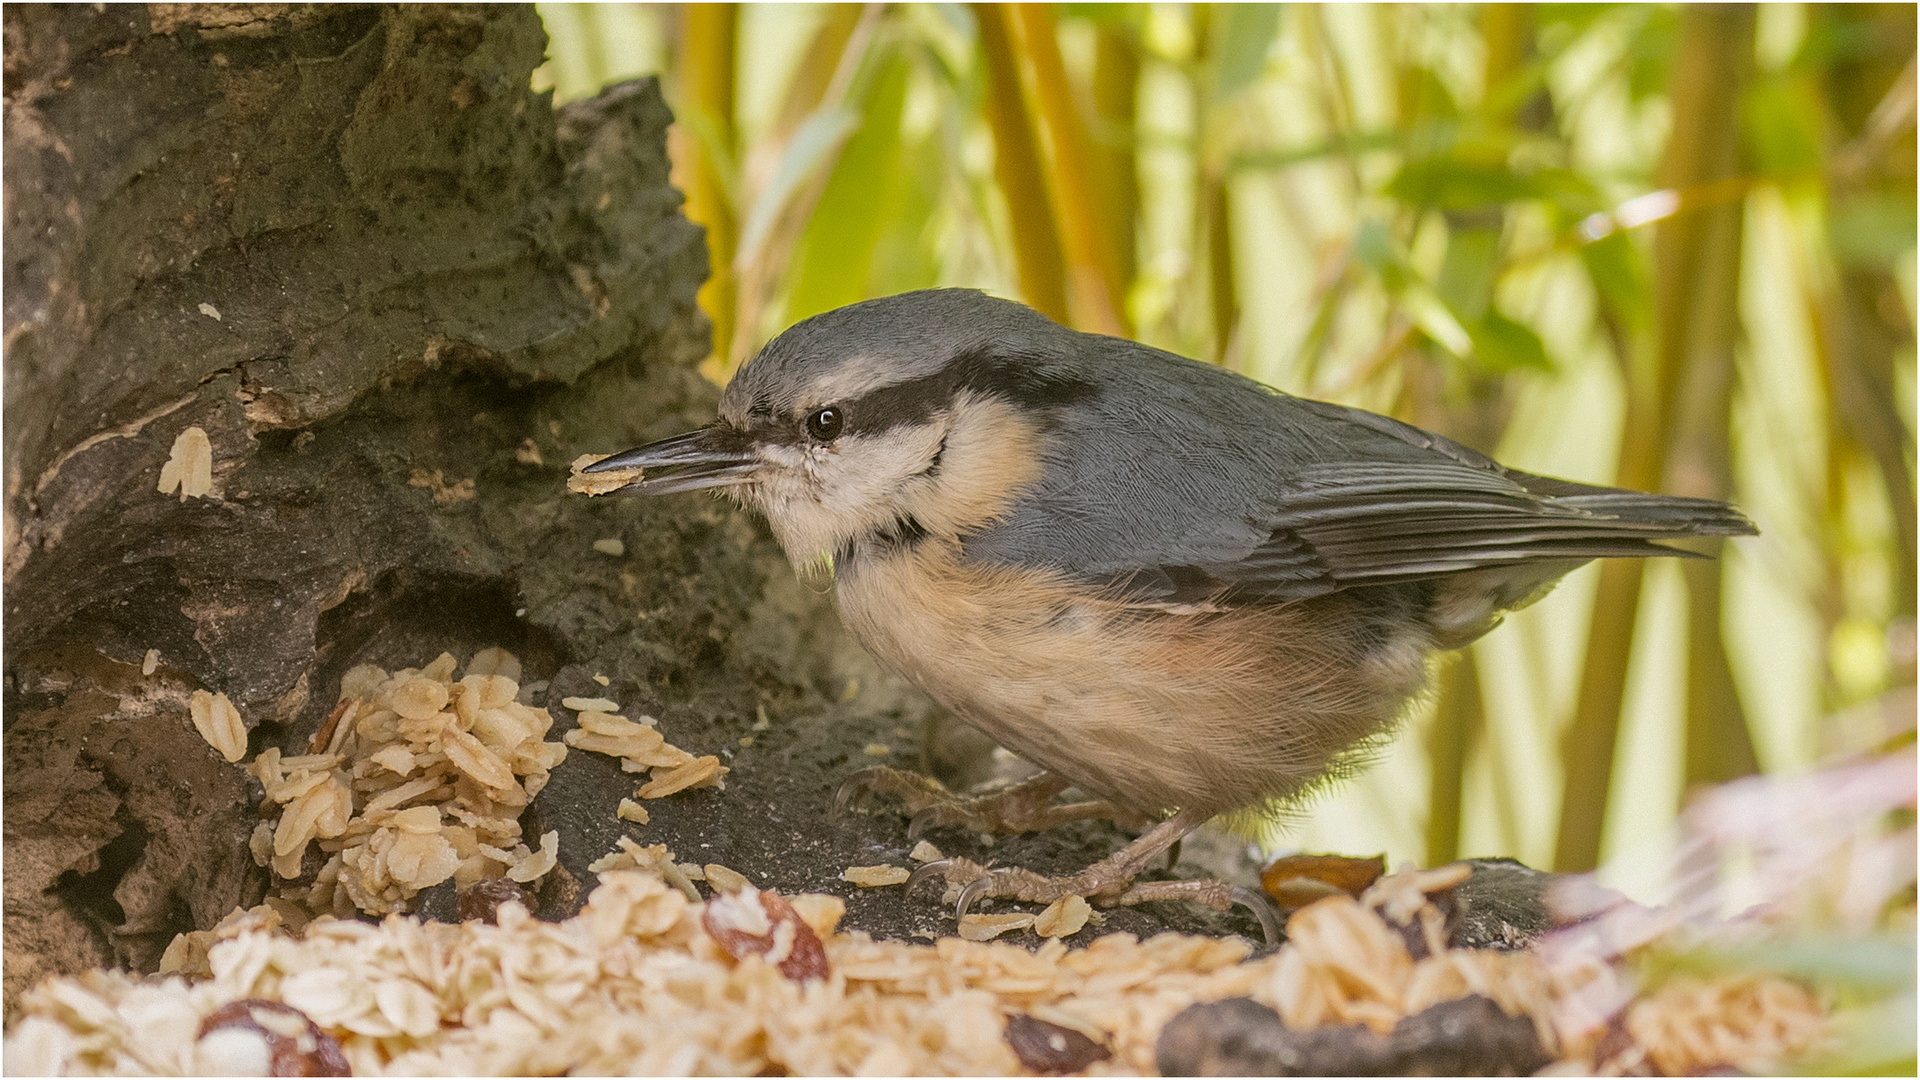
x,y
752,922
598,483
822,912
495,661
189,466
1050,1049
988,927
723,879
218,722
700,770
539,863
482,900
470,757
1062,918
1295,881
419,698
873,877
294,1044
590,704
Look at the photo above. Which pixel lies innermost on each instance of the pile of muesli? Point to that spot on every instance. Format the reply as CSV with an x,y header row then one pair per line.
x,y
646,981
417,778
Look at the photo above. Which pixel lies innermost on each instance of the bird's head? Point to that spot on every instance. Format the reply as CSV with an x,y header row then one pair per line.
x,y
915,414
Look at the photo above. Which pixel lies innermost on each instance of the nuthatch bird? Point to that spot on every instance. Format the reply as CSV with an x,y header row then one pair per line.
x,y
1170,587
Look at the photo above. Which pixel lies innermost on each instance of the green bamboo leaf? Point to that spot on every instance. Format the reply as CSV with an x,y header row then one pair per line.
x,y
1467,273
1433,318
1242,34
1620,275
1132,16
1878,962
1874,228
836,252
1501,344
1783,127
814,143
1375,248
1452,184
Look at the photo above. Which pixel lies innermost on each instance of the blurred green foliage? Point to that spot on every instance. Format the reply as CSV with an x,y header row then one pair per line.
x,y
1659,246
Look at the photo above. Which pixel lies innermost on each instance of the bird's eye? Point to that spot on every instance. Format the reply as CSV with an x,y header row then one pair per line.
x,y
824,423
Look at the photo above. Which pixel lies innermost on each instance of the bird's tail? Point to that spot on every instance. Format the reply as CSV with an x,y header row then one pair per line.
x,y
1691,516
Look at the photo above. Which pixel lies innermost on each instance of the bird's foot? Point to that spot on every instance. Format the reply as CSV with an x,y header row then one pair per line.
x,y
1108,883
1025,807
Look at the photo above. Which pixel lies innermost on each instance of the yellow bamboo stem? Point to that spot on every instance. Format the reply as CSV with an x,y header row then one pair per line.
x,y
1094,284
1017,167
1696,268
706,75
1458,723
1116,89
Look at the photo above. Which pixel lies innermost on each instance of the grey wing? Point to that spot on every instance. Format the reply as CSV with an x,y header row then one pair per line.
x,y
1366,524
1355,499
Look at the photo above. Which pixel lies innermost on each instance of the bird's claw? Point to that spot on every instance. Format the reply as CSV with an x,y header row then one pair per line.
x,y
970,892
926,872
864,782
977,883
1257,903
926,819
918,792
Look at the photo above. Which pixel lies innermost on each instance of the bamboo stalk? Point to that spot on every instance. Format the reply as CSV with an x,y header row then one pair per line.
x,y
1478,417
1017,168
1094,285
820,82
1213,204
1116,90
1857,313
1223,286
819,66
708,39
1692,319
1458,725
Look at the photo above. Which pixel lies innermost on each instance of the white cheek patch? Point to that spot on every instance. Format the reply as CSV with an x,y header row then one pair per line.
x,y
818,498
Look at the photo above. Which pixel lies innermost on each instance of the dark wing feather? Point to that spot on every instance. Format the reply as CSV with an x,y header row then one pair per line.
x,y
1184,484
1368,523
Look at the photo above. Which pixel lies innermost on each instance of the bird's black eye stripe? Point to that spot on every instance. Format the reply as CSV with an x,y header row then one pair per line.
x,y
825,422
1029,381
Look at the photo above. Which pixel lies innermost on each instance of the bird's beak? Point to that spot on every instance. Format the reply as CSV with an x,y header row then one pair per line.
x,y
717,455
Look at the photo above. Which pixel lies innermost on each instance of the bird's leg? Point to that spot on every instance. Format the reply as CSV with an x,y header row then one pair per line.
x,y
1025,807
1108,882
